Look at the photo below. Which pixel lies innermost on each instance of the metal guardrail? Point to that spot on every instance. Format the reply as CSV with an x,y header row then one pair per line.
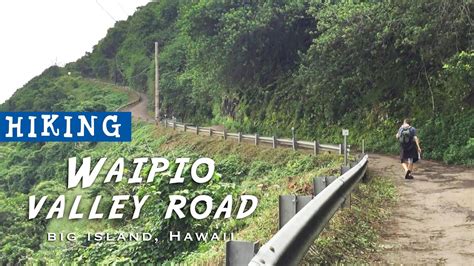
x,y
290,244
274,141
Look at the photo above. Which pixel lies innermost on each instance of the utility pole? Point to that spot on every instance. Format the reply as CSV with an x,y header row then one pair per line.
x,y
157,86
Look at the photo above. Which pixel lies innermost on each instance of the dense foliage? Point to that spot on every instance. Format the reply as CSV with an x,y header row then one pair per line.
x,y
268,66
54,90
257,66
241,170
39,168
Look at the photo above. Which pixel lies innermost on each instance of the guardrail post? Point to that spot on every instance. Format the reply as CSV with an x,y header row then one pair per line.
x,y
240,137
363,147
256,139
184,127
347,201
293,138
329,180
210,132
321,182
174,125
344,169
316,147
340,149
289,205
239,252
366,177
225,134
166,123
274,142
290,244
197,130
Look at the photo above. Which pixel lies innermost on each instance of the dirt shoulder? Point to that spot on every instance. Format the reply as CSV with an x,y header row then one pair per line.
x,y
434,219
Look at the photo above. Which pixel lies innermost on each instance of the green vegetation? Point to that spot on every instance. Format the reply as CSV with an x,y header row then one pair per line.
x,y
354,233
54,90
242,169
255,66
40,168
236,176
267,66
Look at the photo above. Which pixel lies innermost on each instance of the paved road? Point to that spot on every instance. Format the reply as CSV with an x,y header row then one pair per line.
x,y
434,221
139,110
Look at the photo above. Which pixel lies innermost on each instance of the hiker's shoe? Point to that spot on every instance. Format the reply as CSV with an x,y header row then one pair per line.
x,y
407,174
409,177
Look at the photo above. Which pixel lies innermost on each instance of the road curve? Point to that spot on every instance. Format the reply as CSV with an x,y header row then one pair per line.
x,y
139,109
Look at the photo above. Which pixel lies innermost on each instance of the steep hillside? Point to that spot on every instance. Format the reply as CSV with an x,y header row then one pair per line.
x,y
269,66
241,169
41,169
256,66
30,168
55,90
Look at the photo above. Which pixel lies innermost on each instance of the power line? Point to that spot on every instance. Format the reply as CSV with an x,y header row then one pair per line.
x,y
121,8
105,10
133,76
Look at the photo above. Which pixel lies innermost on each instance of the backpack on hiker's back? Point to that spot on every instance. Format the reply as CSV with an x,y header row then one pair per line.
x,y
406,136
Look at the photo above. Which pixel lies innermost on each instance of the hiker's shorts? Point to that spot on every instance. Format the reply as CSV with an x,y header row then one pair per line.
x,y
408,156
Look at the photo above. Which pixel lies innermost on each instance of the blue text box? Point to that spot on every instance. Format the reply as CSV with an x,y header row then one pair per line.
x,y
65,126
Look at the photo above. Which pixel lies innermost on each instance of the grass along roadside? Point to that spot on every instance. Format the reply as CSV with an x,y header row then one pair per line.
x,y
353,234
351,237
260,171
289,179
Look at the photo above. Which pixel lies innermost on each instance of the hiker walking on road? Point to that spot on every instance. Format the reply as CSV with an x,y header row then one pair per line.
x,y
409,147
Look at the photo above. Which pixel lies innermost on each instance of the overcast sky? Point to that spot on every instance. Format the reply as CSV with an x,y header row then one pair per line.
x,y
37,34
